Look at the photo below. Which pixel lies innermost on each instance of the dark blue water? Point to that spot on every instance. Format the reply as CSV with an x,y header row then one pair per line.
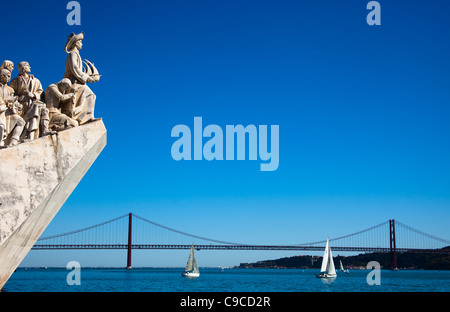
x,y
227,280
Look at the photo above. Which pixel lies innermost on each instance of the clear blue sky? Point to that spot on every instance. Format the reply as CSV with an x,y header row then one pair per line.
x,y
363,114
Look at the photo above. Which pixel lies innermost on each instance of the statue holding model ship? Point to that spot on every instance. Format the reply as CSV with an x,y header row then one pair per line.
x,y
63,105
83,103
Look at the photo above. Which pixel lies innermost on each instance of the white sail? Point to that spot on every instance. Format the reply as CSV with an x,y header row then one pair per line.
x,y
342,267
191,260
194,265
325,258
330,267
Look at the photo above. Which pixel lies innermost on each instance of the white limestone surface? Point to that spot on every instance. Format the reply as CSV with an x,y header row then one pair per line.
x,y
36,178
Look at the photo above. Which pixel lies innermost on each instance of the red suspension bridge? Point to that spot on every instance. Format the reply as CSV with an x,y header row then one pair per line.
x,y
134,232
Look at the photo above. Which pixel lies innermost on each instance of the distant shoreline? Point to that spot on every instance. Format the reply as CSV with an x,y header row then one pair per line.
x,y
405,261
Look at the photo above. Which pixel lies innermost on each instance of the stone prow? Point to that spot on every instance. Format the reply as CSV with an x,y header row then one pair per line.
x,y
36,178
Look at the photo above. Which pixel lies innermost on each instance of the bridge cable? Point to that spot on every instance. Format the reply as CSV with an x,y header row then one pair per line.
x,y
422,233
346,236
184,233
81,230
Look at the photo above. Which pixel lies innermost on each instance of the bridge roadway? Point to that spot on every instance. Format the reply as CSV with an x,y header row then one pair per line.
x,y
235,247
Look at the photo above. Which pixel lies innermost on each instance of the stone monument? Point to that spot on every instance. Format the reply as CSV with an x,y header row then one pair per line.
x,y
48,141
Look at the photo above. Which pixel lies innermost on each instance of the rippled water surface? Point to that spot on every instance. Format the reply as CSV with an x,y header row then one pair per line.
x,y
217,280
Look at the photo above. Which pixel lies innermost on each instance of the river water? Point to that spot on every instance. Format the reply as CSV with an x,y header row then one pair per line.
x,y
221,280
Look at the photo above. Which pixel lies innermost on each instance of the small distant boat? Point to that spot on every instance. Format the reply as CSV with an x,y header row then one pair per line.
x,y
191,270
342,268
327,270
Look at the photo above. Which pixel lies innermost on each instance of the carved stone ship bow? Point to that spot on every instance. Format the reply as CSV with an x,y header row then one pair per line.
x,y
91,70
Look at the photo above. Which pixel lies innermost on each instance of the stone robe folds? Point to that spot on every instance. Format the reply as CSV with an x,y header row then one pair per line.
x,y
82,108
20,84
32,113
12,122
3,109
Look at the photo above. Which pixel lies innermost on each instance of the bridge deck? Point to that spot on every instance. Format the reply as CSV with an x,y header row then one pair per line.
x,y
234,247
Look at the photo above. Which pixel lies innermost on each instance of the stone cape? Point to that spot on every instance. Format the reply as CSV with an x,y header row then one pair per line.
x,y
36,178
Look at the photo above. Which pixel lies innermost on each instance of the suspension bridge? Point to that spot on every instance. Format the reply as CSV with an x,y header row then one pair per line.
x,y
131,231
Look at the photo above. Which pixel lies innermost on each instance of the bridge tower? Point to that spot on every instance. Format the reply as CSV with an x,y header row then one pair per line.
x,y
392,244
130,218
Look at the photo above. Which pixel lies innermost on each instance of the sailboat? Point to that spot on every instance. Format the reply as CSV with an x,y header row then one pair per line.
x,y
191,266
327,270
342,268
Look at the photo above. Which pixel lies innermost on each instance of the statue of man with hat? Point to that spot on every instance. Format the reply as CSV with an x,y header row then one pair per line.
x,y
83,103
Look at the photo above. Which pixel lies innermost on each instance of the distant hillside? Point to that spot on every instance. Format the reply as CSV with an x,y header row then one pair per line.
x,y
405,260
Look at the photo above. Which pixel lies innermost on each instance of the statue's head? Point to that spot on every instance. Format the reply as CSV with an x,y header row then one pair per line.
x,y
5,76
64,85
7,65
79,44
74,41
24,67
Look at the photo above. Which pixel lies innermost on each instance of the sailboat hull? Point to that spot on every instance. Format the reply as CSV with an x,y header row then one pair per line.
x,y
326,275
190,274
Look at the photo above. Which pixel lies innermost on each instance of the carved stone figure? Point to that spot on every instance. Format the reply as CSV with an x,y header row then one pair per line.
x,y
84,101
7,65
3,109
37,120
27,87
56,97
6,92
29,90
11,124
27,112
